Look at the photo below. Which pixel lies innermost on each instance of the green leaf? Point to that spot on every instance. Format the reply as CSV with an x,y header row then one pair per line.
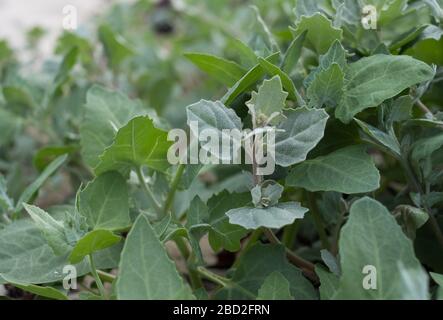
x,y
223,234
255,266
381,138
289,86
263,31
46,292
266,194
213,116
438,278
116,48
46,155
93,241
104,202
348,170
246,82
28,259
321,33
275,216
371,237
105,112
52,229
425,147
35,186
382,76
293,53
410,219
275,287
302,129
329,283
227,72
146,272
269,100
197,225
327,87
137,143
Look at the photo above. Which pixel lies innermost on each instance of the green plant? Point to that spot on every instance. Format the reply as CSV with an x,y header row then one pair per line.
x,y
352,211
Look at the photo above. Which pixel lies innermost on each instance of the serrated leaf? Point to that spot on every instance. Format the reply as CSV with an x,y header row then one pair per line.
x,y
348,170
302,129
227,72
254,267
105,112
372,237
327,87
321,33
382,76
289,86
275,287
275,216
146,271
136,144
104,202
269,99
91,242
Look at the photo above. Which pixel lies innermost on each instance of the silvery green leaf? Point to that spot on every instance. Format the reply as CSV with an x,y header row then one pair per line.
x,y
266,194
275,216
6,203
298,134
347,170
329,283
331,262
410,218
269,100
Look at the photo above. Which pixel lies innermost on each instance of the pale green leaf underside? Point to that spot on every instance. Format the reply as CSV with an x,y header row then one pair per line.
x,y
272,217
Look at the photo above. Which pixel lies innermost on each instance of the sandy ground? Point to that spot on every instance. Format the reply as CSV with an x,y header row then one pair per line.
x,y
18,16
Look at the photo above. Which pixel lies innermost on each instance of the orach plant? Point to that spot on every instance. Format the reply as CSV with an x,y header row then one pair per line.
x,y
353,209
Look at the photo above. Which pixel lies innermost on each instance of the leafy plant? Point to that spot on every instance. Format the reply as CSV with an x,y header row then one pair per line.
x,y
353,209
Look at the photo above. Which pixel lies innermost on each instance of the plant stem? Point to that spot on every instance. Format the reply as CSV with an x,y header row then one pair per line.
x,y
98,281
224,282
423,107
196,282
105,276
289,233
307,266
174,186
147,190
318,220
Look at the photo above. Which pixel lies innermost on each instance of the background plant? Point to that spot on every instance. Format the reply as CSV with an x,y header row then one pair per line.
x,y
85,179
